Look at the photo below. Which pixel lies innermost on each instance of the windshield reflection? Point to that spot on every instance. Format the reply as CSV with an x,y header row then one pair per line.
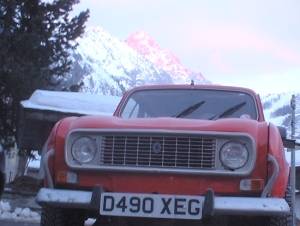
x,y
192,104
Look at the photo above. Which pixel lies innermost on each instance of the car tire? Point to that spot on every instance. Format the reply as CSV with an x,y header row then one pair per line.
x,y
52,216
286,220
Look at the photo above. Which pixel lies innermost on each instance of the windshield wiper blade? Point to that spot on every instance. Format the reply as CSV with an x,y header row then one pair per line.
x,y
229,111
189,110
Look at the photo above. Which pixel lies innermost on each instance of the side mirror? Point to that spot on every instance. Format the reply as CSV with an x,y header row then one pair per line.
x,y
282,131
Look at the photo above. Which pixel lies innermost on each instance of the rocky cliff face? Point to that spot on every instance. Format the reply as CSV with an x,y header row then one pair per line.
x,y
163,58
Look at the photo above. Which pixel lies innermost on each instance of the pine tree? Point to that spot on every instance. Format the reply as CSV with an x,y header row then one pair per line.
x,y
35,41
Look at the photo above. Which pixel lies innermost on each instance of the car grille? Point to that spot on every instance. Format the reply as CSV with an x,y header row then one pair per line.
x,y
158,151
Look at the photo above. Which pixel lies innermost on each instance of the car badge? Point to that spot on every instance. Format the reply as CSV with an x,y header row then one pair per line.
x,y
156,147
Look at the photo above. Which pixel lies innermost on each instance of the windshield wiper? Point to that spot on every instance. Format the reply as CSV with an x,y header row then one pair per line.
x,y
189,110
229,111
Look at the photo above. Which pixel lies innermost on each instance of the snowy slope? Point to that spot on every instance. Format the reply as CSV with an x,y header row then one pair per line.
x,y
278,111
277,108
163,58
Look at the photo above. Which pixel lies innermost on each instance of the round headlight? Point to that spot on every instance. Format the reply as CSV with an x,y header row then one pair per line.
x,y
84,149
234,155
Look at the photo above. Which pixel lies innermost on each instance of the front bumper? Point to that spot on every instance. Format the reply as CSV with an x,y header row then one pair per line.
x,y
213,205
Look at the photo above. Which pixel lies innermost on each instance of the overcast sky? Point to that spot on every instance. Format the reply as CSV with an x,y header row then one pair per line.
x,y
252,43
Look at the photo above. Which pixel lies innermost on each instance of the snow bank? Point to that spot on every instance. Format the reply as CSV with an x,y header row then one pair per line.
x,y
19,214
89,222
35,161
71,102
297,157
26,215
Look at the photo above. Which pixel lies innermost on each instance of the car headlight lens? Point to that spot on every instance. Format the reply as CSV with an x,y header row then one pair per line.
x,y
84,149
234,155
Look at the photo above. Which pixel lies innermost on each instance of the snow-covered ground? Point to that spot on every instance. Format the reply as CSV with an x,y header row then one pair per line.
x,y
18,214
25,214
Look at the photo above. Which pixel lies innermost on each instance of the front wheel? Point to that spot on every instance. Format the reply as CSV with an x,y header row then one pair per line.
x,y
52,216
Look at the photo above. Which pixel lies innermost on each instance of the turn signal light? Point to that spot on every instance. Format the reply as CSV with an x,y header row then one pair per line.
x,y
254,185
66,177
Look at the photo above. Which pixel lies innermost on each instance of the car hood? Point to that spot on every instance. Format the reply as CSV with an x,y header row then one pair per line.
x,y
249,126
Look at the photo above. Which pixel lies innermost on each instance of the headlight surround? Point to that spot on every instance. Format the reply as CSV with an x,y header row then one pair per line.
x,y
234,155
84,149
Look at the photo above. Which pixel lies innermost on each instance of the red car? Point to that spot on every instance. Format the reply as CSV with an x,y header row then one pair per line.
x,y
172,153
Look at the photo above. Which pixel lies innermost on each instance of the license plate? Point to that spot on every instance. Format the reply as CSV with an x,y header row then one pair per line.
x,y
151,205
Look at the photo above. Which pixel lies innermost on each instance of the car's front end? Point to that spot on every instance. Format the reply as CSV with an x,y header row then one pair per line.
x,y
167,167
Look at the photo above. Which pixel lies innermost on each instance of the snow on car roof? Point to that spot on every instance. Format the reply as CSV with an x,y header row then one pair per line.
x,y
71,102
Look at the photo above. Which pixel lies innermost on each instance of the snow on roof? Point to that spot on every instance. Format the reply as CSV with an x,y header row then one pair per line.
x,y
71,102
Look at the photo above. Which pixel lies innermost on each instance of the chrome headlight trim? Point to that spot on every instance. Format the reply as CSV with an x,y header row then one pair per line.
x,y
227,152
84,149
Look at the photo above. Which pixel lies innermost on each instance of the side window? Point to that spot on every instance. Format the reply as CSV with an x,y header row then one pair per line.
x,y
131,110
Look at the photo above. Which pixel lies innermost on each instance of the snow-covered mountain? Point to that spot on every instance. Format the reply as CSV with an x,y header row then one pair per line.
x,y
162,58
103,64
278,111
107,65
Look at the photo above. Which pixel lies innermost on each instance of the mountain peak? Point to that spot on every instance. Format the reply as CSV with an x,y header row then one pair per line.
x,y
140,35
144,44
106,65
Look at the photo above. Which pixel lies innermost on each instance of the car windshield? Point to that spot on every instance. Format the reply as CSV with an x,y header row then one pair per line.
x,y
192,104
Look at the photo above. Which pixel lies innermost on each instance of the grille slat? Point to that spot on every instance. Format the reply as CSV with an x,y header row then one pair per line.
x,y
158,151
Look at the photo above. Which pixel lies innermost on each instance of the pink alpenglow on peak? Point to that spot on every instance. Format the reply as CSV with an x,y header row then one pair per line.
x,y
144,44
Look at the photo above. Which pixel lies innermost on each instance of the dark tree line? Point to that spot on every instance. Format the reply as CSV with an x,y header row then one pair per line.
x,y
35,41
